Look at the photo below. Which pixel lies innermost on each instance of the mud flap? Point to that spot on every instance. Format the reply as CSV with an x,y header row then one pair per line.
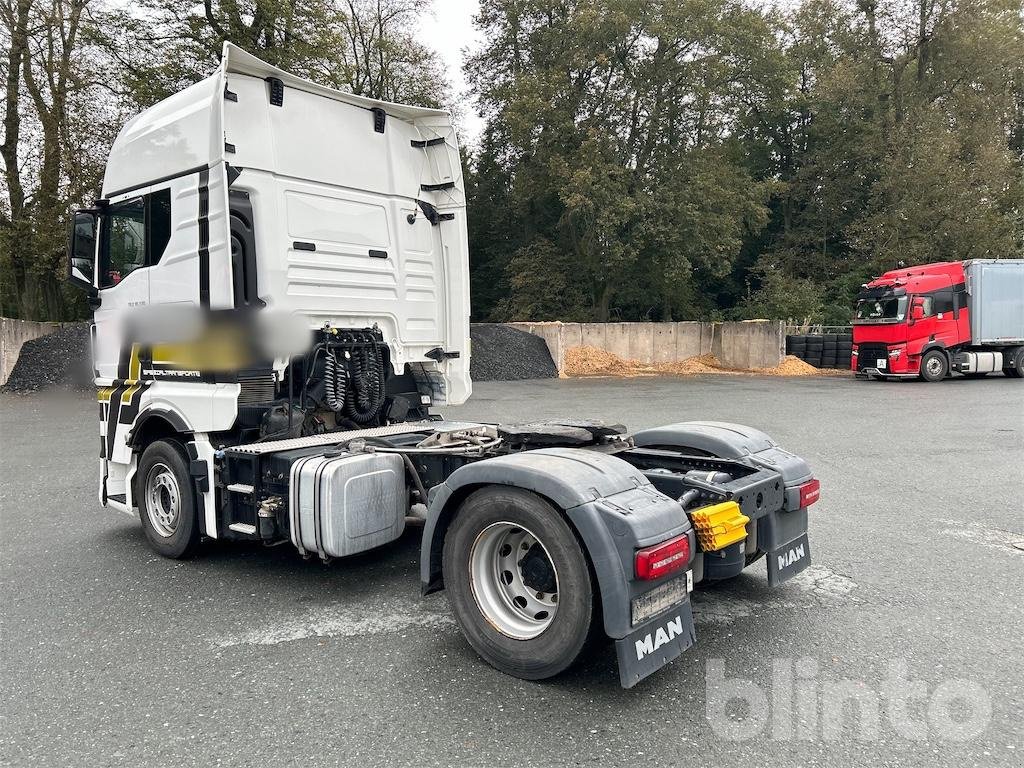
x,y
788,560
654,644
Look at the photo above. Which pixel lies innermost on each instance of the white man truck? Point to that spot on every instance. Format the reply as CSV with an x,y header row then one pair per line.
x,y
279,278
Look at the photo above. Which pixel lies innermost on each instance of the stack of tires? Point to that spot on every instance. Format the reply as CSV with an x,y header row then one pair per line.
x,y
822,350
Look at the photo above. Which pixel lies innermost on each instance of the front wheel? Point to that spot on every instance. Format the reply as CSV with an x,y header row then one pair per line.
x,y
518,582
167,500
934,366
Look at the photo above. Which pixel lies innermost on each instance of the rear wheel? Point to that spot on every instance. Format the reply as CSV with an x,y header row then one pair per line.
x,y
934,366
518,583
167,500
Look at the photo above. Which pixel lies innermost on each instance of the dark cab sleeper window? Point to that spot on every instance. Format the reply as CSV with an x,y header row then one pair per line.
x,y
135,234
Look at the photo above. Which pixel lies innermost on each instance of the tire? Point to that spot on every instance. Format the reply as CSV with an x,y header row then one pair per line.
x,y
167,500
934,366
845,346
530,640
1017,371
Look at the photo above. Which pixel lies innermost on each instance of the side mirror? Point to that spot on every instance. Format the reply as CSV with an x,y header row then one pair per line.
x,y
82,250
917,312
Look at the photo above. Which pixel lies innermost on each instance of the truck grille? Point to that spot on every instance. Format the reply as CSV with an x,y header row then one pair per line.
x,y
869,354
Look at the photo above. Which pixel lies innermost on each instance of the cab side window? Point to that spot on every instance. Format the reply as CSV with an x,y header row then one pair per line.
x,y
159,223
943,303
135,234
124,241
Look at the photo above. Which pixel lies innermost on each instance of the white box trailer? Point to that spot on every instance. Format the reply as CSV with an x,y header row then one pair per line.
x,y
995,300
279,278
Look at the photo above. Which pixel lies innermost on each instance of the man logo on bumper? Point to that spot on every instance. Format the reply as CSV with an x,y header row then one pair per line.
x,y
653,641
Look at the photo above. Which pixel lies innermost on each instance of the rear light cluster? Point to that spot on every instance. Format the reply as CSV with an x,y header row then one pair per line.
x,y
809,493
662,559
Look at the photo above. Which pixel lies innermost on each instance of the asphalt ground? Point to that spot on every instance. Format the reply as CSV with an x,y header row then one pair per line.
x,y
251,656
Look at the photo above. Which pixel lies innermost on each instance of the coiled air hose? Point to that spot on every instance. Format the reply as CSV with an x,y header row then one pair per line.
x,y
367,381
334,394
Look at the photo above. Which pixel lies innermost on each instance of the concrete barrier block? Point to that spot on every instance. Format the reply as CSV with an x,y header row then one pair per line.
x,y
664,342
617,339
594,335
750,344
688,341
641,341
571,336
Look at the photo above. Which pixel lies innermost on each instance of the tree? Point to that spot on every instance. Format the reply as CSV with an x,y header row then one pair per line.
x,y
612,121
52,129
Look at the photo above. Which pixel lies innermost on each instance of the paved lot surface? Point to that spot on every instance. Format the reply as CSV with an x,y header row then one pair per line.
x,y
247,656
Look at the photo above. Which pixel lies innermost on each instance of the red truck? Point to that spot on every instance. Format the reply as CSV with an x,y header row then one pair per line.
x,y
936,319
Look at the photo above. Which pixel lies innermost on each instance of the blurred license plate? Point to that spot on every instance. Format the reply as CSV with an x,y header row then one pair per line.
x,y
880,362
661,598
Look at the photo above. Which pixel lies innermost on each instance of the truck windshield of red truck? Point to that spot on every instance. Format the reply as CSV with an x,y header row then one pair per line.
x,y
883,309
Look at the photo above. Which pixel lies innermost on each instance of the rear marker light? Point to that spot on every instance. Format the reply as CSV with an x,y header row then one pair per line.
x,y
662,559
809,493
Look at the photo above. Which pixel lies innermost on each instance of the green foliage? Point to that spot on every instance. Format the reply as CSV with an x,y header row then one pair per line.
x,y
780,297
693,156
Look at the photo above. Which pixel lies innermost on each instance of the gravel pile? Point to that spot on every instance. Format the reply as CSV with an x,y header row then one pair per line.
x,y
59,360
501,353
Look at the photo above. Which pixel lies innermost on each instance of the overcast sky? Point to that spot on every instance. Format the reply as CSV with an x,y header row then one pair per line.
x,y
449,31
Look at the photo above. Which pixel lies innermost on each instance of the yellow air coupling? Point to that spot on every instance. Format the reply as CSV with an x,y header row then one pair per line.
x,y
719,525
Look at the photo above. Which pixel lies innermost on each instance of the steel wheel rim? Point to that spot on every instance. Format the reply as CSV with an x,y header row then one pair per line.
x,y
163,500
511,605
934,366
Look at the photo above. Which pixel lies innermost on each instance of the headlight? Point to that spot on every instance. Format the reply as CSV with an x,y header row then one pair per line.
x,y
894,353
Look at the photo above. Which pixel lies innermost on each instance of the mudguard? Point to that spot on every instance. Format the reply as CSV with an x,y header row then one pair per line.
x,y
612,506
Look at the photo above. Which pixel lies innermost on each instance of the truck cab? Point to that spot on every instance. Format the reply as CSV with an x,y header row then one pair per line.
x,y
922,321
904,313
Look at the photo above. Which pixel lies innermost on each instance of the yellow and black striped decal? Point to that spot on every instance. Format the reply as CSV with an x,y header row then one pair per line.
x,y
119,403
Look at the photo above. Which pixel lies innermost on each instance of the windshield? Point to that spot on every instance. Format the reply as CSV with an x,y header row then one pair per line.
x,y
890,309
